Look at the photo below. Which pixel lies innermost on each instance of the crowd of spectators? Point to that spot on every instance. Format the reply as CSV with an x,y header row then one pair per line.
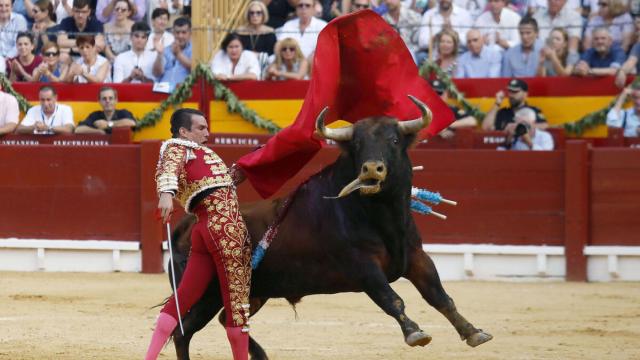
x,y
149,41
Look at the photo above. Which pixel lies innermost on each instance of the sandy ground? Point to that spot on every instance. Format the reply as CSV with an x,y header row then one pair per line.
x,y
108,316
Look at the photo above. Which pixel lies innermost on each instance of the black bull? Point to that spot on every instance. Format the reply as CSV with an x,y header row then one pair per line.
x,y
360,242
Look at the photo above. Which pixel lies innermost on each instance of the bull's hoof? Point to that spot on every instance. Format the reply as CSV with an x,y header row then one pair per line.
x,y
478,338
418,338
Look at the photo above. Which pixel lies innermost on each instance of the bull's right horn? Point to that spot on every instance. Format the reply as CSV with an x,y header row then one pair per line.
x,y
340,134
413,126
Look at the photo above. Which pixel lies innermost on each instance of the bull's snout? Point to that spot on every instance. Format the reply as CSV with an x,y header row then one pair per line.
x,y
373,170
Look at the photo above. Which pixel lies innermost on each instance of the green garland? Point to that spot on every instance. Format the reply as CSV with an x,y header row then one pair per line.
x,y
6,86
429,67
183,92
593,119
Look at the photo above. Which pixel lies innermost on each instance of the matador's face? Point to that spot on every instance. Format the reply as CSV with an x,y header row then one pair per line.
x,y
199,131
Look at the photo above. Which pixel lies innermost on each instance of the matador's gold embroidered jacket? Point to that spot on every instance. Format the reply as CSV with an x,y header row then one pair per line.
x,y
186,168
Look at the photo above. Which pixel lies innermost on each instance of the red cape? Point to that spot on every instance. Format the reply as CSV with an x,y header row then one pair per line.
x,y
361,68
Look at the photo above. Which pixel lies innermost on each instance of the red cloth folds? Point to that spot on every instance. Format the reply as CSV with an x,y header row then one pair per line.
x,y
361,68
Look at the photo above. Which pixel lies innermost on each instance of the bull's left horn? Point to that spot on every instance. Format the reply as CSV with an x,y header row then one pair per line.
x,y
341,134
413,126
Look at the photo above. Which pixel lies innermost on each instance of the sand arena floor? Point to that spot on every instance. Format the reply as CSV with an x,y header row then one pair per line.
x,y
108,316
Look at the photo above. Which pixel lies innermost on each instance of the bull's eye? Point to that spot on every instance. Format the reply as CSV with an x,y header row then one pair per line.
x,y
395,141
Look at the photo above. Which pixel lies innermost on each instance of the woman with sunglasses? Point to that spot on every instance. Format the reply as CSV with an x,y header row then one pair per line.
x,y
254,34
52,69
21,67
44,20
613,15
232,62
118,29
290,63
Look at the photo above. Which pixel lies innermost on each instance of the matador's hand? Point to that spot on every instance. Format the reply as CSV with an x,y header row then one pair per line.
x,y
165,206
237,175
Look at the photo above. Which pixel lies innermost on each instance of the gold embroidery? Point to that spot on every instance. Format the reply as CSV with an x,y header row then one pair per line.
x,y
236,249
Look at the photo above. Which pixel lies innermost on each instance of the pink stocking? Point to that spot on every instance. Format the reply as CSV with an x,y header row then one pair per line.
x,y
164,327
239,341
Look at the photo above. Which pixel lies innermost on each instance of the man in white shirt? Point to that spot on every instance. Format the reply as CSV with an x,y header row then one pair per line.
x,y
10,25
523,134
445,14
9,112
499,25
135,65
559,14
304,28
49,117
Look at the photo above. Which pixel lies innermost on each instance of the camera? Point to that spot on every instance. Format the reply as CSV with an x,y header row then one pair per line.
x,y
520,130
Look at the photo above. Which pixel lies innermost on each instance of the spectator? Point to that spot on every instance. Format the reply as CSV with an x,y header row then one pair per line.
x,y
555,58
80,22
279,11
627,119
118,30
602,59
558,14
52,69
523,134
462,119
9,112
613,15
474,7
23,7
160,35
136,65
254,34
357,5
232,62
21,67
173,64
44,25
49,117
499,25
629,66
480,61
304,28
105,10
635,37
498,119
175,9
445,15
405,20
447,45
102,122
10,25
327,10
91,67
290,63
3,65
522,59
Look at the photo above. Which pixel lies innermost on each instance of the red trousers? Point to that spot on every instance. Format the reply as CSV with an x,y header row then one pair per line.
x,y
220,247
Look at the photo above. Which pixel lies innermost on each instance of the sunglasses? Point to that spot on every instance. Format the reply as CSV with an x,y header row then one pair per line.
x,y
121,9
361,6
255,13
292,49
303,5
50,54
603,4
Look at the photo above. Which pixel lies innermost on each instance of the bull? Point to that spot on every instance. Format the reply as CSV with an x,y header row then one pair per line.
x,y
357,243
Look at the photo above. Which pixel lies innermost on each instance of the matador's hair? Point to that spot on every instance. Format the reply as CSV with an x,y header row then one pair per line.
x,y
181,118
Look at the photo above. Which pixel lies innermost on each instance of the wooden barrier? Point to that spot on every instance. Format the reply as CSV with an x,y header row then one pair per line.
x,y
574,197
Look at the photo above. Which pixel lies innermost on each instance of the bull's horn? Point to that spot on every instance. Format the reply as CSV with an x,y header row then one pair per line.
x,y
341,134
413,126
348,189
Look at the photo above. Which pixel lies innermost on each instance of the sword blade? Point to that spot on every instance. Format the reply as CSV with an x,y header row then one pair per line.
x,y
173,276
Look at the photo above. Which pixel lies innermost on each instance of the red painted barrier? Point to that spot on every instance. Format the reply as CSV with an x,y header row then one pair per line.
x,y
573,197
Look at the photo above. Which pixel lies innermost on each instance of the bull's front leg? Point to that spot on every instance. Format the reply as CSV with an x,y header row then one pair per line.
x,y
424,276
375,285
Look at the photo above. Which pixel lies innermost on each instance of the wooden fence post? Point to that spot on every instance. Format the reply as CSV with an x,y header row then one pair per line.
x,y
577,209
151,233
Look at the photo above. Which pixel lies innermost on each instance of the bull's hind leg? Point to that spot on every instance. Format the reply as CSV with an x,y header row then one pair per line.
x,y
376,286
424,276
196,319
255,350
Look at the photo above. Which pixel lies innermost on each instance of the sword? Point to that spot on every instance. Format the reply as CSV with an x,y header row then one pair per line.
x,y
173,276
